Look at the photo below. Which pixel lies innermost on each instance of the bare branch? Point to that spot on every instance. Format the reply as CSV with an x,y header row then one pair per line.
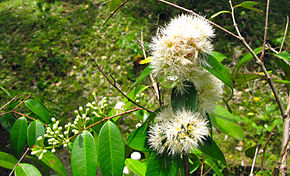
x,y
14,98
112,13
21,102
19,161
265,146
266,29
285,33
186,163
234,19
254,160
116,87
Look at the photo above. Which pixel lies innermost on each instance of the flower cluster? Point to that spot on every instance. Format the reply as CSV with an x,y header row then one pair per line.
x,y
178,132
177,54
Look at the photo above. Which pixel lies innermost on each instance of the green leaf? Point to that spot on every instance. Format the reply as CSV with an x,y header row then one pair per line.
x,y
18,136
250,152
7,161
210,148
249,5
282,81
111,150
37,108
218,70
5,90
135,166
214,167
219,56
24,169
185,100
7,121
222,120
220,12
53,162
137,140
246,58
163,165
84,155
284,56
143,75
35,129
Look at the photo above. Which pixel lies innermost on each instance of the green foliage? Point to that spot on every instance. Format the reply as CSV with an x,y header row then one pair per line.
x,y
35,129
18,136
24,169
38,109
84,155
137,167
7,161
111,150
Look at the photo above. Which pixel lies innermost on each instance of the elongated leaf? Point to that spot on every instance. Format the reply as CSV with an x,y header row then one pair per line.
x,y
218,70
37,108
7,161
53,162
220,12
18,136
163,165
219,56
135,166
84,155
24,169
225,114
214,167
5,90
210,148
35,129
143,75
138,139
111,150
246,58
249,5
186,100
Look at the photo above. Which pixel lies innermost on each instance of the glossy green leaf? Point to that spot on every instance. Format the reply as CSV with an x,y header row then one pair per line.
x,y
218,70
246,58
284,56
84,155
214,167
210,148
138,139
135,166
185,100
111,150
219,56
35,129
224,122
162,165
24,169
7,121
249,5
37,108
7,160
18,136
220,12
143,75
53,162
225,114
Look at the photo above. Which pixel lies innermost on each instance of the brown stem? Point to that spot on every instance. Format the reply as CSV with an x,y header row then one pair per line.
x,y
186,163
209,170
21,102
116,87
266,29
112,13
104,119
19,161
265,146
285,33
15,97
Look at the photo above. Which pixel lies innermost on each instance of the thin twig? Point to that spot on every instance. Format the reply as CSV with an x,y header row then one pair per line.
x,y
209,170
112,13
21,102
107,118
201,169
19,161
282,154
254,160
116,87
285,33
234,19
15,97
265,32
265,146
192,12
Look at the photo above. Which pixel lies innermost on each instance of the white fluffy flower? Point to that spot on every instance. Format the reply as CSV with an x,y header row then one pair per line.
x,y
180,45
183,131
